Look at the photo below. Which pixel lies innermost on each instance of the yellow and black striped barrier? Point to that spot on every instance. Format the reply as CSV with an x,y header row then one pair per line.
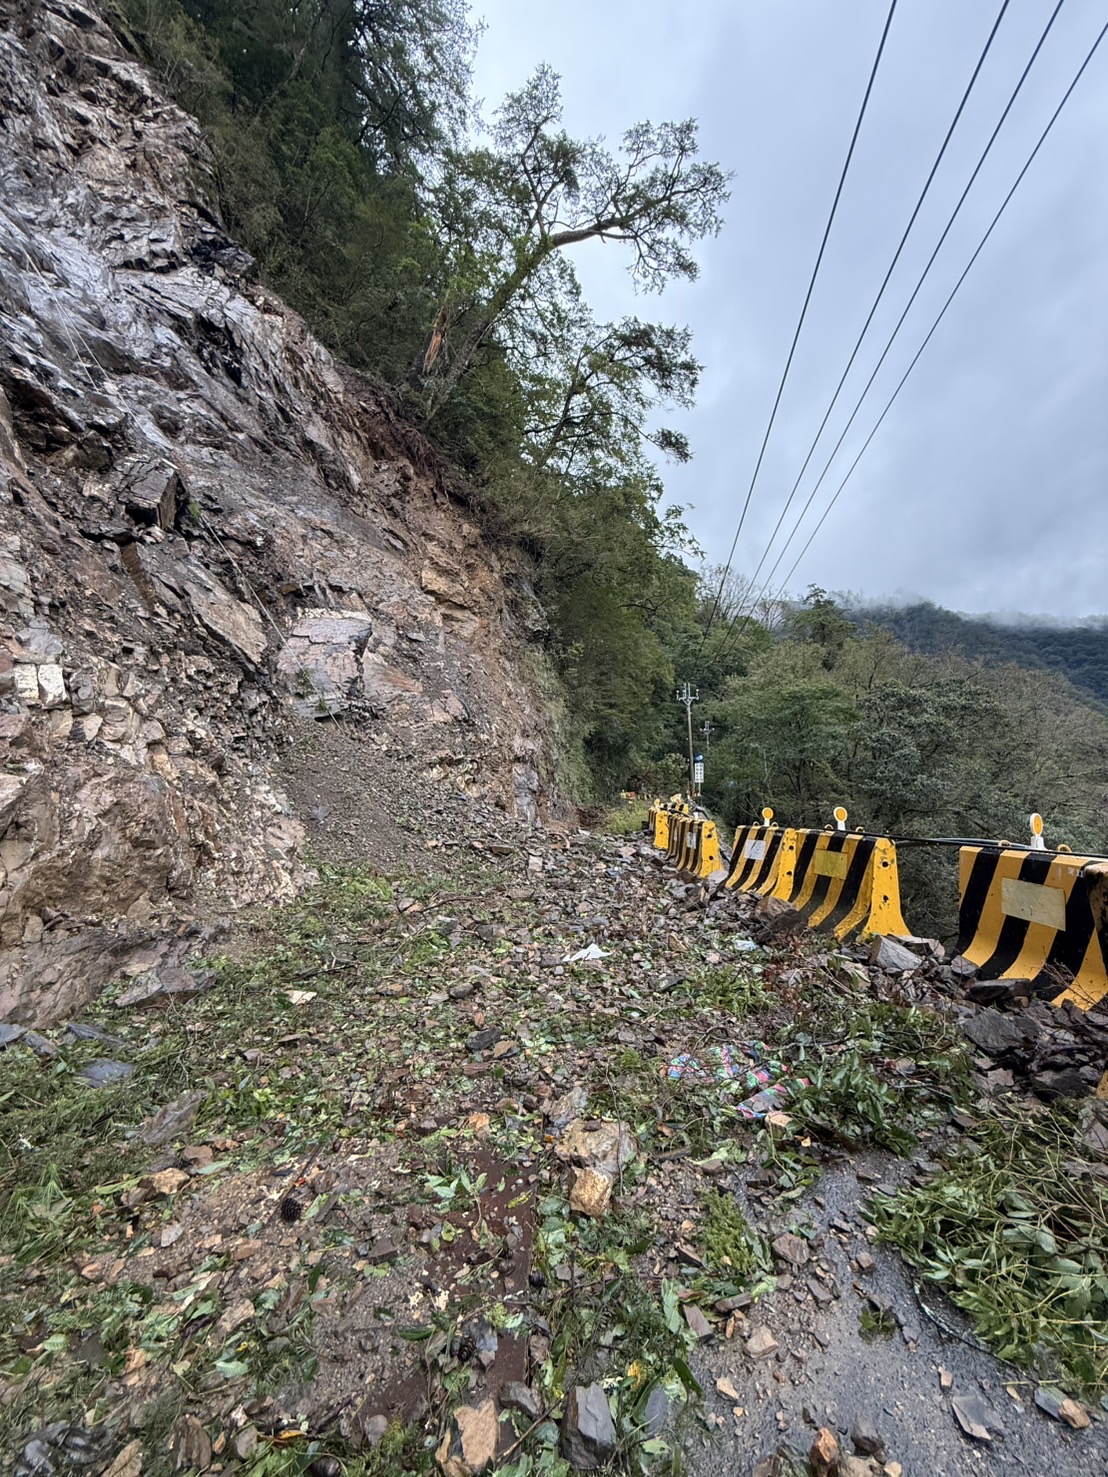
x,y
691,843
707,858
1036,915
678,831
754,855
842,880
662,813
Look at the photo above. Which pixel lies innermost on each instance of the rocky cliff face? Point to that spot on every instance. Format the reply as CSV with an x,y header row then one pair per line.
x,y
212,540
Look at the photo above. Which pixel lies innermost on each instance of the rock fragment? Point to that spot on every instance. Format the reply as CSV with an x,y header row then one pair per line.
x,y
892,957
866,1438
823,1458
469,1443
761,1344
975,1417
588,1431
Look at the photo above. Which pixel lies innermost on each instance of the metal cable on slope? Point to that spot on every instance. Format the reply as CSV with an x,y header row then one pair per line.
x,y
800,323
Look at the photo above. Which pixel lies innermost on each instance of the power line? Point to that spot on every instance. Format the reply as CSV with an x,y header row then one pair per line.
x,y
745,614
800,322
881,290
950,299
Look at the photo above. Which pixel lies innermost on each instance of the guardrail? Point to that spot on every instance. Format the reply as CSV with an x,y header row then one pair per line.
x,y
1025,912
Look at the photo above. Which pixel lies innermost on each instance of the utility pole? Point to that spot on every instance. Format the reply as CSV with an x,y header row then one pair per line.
x,y
706,730
688,695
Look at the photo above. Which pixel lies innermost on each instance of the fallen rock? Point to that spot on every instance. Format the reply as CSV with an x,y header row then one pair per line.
x,y
517,1396
1060,1408
564,1109
853,1466
245,1443
775,919
588,1431
994,1033
469,1443
823,1458
655,1416
190,1445
128,1463
892,957
172,1121
104,1072
166,1181
606,1145
866,1438
591,1192
975,1417
791,1249
372,1431
761,1344
985,992
697,1322
165,986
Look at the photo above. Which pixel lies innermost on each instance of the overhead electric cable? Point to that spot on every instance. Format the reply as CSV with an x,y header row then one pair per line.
x,y
881,290
800,322
744,615
1004,204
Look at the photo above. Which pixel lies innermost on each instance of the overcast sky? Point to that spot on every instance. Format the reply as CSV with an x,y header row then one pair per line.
x,y
986,488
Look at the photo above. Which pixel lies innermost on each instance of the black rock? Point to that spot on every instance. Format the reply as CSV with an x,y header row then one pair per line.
x,y
482,1040
866,1438
1070,1082
655,1414
517,1396
997,1034
983,992
588,1431
975,1417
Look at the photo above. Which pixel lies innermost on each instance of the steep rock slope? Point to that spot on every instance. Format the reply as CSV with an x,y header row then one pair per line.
x,y
211,536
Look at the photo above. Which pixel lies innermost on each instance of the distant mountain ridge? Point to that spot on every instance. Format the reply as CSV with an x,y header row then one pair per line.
x,y
1079,652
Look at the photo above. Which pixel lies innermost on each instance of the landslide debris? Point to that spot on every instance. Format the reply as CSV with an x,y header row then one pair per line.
x,y
329,1215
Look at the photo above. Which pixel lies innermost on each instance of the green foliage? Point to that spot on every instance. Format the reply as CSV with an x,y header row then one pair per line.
x,y
627,819
737,991
732,1248
878,1075
813,712
343,161
510,209
1078,652
320,118
1013,1233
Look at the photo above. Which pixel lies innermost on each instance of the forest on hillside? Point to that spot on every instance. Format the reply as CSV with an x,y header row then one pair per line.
x,y
1078,651
434,251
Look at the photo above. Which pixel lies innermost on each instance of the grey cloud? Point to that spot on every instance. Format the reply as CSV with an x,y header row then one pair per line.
x,y
987,485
